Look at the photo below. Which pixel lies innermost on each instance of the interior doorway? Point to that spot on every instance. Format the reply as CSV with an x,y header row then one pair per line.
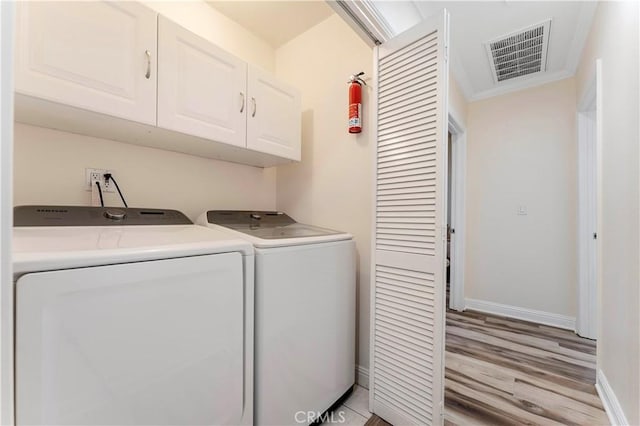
x,y
501,369
456,155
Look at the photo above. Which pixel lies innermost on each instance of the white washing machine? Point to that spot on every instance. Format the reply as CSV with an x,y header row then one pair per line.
x,y
304,313
130,317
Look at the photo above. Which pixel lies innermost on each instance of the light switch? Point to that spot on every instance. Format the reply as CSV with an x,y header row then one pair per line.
x,y
522,210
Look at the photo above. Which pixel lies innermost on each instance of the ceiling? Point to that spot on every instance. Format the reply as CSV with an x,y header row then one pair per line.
x,y
473,23
276,22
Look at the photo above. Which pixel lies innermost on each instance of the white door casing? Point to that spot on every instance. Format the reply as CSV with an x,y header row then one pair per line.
x,y
458,174
201,88
273,116
586,319
408,303
589,205
6,211
99,56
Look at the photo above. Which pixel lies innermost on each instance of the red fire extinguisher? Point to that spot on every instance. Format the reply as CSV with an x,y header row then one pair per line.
x,y
355,102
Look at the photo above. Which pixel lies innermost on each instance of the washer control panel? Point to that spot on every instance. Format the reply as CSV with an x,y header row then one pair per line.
x,y
95,216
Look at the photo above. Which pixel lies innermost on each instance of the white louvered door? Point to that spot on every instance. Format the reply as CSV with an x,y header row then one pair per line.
x,y
408,303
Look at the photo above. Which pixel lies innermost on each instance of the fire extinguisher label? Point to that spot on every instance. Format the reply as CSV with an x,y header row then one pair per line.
x,y
355,112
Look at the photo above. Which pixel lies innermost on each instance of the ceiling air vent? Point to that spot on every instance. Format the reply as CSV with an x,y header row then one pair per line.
x,y
519,53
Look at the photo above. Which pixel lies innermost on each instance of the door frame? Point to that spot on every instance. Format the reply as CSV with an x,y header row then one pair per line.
x,y
458,191
589,140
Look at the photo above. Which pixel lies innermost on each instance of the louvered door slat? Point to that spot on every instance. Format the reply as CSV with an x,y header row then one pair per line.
x,y
417,197
428,116
404,55
427,72
400,331
405,390
405,371
416,143
409,173
424,106
407,164
401,102
383,198
391,188
421,86
420,154
414,127
420,106
401,352
410,344
407,316
390,359
392,321
404,275
408,222
426,58
402,327
391,398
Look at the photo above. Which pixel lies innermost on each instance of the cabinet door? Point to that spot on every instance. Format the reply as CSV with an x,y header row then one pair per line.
x,y
99,56
274,119
201,88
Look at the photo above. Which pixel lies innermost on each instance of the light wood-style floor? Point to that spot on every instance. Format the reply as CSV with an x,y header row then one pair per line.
x,y
501,371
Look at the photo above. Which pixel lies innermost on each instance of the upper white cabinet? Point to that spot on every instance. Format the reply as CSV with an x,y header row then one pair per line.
x,y
201,88
274,122
99,56
117,70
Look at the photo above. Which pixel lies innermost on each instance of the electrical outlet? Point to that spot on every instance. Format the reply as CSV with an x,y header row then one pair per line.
x,y
97,175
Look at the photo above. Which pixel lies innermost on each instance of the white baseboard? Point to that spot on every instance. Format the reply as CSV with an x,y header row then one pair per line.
x,y
540,317
362,376
610,401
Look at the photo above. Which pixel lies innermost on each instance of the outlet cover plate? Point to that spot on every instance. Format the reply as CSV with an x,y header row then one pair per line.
x,y
93,175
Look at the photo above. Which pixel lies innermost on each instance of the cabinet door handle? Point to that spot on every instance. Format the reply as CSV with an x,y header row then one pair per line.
x,y
253,101
148,73
241,102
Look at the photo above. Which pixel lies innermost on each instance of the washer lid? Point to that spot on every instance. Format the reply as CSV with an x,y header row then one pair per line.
x,y
272,228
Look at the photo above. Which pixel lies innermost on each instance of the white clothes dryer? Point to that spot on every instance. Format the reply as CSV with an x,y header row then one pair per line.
x,y
130,317
304,313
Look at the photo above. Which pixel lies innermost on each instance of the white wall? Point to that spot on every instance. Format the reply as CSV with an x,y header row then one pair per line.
x,y
208,23
614,38
149,177
522,150
49,169
331,187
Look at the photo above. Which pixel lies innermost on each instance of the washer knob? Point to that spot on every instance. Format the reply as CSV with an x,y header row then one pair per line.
x,y
114,214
